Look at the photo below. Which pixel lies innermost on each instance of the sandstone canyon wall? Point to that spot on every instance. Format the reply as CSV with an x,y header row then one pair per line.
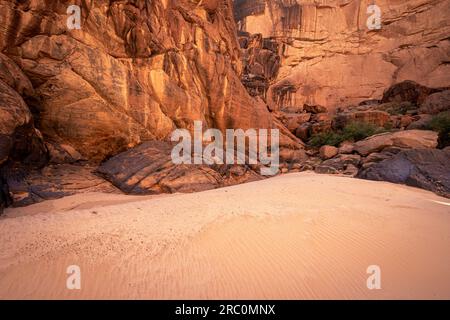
x,y
328,56
135,71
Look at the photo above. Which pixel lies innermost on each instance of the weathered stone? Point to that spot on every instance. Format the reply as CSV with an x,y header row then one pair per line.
x,y
340,163
331,58
56,181
421,122
351,170
328,152
62,153
401,122
19,140
376,157
346,147
303,132
320,127
293,120
314,109
290,155
414,139
155,66
149,169
436,103
373,117
426,169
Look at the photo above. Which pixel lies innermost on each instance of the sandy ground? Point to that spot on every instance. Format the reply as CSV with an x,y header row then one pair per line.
x,y
297,236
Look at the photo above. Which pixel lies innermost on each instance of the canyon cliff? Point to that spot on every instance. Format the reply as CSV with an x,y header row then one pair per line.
x,y
135,71
323,53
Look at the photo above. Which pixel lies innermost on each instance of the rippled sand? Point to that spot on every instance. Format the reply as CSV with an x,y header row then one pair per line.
x,y
297,236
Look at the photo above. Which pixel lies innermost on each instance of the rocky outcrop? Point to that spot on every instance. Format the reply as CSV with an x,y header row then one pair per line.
x,y
153,67
426,169
330,57
29,186
436,103
149,169
409,139
261,63
19,139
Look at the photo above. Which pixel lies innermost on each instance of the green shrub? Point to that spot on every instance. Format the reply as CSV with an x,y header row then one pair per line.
x,y
441,124
354,131
325,138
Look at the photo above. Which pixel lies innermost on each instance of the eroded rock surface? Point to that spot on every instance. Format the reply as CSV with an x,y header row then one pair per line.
x,y
426,169
408,139
149,169
328,55
28,186
135,71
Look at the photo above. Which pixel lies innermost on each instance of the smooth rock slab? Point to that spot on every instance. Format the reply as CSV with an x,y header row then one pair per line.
x,y
411,139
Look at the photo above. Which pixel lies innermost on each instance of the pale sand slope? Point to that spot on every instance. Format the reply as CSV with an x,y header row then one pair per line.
x,y
291,237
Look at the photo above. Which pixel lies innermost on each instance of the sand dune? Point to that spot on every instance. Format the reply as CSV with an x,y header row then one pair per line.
x,y
297,236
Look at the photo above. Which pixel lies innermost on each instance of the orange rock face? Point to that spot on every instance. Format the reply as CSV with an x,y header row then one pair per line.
x,y
330,57
135,71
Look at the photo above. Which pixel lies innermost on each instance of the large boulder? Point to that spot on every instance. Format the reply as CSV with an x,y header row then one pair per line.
x,y
436,103
148,169
409,139
28,186
426,169
374,117
328,152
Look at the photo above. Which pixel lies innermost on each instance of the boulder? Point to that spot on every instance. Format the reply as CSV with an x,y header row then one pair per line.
x,y
338,164
373,117
346,147
421,122
426,169
401,121
412,139
351,170
291,155
328,152
27,186
302,131
148,169
314,109
436,103
293,120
